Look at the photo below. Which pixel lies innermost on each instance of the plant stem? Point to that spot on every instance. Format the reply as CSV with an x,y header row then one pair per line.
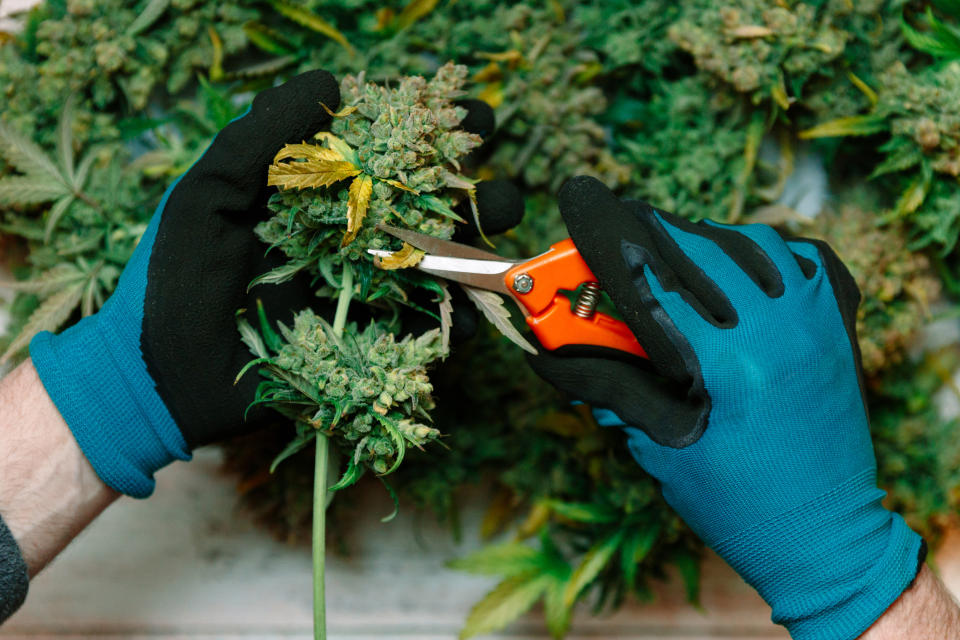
x,y
320,480
319,538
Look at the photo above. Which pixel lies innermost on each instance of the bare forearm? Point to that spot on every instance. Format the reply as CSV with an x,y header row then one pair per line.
x,y
925,611
48,490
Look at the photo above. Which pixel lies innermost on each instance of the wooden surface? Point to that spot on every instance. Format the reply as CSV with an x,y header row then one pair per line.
x,y
186,565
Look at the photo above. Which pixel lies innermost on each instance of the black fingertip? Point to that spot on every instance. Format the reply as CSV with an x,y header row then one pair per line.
x,y
581,195
479,119
500,206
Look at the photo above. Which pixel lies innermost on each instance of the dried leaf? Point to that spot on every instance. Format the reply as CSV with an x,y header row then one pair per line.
x,y
150,14
491,305
304,151
751,31
358,201
399,185
52,313
312,21
407,256
310,174
30,189
343,112
505,603
24,154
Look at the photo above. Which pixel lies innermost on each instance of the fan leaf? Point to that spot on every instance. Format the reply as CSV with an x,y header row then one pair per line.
x,y
491,305
358,201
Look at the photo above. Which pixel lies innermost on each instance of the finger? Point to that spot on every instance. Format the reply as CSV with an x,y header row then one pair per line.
x,y
663,409
602,228
479,119
500,208
231,176
766,257
729,259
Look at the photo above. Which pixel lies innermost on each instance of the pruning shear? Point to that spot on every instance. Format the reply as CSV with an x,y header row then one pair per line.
x,y
535,284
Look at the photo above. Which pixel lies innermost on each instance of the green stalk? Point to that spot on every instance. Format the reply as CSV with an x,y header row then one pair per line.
x,y
320,481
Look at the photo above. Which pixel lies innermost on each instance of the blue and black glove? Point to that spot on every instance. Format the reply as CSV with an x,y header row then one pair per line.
x,y
750,411
151,376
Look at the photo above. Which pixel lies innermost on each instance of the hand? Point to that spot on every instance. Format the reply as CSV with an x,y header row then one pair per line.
x,y
750,411
151,375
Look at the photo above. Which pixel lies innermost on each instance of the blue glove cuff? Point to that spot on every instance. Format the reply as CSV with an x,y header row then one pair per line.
x,y
831,567
110,403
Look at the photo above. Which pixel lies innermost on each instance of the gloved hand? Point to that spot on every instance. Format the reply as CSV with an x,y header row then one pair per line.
x,y
151,375
750,411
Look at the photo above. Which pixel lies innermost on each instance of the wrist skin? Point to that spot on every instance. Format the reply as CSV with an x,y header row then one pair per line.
x,y
925,611
48,490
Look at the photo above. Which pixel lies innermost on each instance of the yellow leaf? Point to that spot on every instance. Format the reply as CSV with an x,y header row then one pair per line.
x,y
304,151
751,31
339,145
358,200
343,112
864,87
216,65
309,174
312,21
415,10
512,56
384,17
407,256
492,94
489,73
849,126
399,185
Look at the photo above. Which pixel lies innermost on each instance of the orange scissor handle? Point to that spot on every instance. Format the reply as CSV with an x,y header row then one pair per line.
x,y
551,317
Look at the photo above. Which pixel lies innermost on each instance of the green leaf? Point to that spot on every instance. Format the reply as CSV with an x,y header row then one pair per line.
x,y
944,42
905,156
555,610
280,274
435,204
688,565
312,21
507,559
51,280
51,313
592,563
150,14
251,337
271,337
396,436
30,190
505,603
636,545
25,155
396,501
83,170
350,475
296,445
863,125
56,213
491,305
65,141
584,512
267,39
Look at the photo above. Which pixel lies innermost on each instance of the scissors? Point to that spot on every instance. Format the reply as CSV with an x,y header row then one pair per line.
x,y
535,284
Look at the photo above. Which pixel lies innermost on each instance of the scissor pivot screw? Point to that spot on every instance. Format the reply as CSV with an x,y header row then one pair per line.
x,y
523,283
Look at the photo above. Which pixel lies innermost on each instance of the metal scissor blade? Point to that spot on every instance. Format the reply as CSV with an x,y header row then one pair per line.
x,y
483,274
437,246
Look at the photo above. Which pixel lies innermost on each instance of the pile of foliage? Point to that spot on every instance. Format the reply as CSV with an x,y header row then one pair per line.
x,y
702,108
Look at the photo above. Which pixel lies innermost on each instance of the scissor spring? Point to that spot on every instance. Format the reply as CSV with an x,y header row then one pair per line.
x,y
588,299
